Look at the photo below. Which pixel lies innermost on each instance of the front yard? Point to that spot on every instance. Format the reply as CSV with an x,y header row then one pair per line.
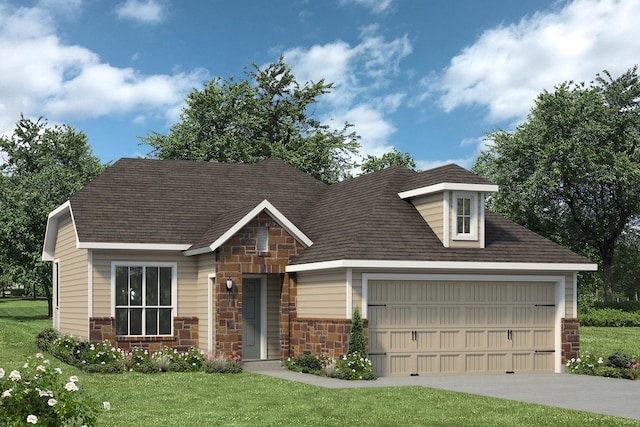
x,y
188,399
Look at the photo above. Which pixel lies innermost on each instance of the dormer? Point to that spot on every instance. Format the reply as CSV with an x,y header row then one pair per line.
x,y
453,207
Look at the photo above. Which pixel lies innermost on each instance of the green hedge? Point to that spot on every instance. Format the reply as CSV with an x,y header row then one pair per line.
x,y
609,317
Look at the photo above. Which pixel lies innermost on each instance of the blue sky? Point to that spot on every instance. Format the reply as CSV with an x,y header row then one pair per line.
x,y
426,77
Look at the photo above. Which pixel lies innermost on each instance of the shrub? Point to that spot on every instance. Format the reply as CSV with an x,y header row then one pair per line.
x,y
357,343
354,367
609,317
46,338
40,394
221,364
191,361
587,364
620,360
310,364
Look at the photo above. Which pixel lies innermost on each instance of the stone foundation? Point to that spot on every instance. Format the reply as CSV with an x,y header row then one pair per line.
x,y
185,336
321,336
570,339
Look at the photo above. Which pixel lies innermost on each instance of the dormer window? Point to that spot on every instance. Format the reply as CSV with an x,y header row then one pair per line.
x,y
465,214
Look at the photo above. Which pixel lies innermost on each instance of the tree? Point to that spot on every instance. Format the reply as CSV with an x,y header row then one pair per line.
x,y
43,166
357,343
626,265
392,158
269,114
571,172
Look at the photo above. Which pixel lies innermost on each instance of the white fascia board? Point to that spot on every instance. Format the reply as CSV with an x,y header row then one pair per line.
x,y
51,233
134,246
444,265
262,206
448,186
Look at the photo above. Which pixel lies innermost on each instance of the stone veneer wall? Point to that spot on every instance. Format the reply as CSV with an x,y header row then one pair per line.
x,y
185,331
321,336
570,339
238,256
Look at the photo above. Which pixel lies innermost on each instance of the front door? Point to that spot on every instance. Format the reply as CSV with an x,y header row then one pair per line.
x,y
251,318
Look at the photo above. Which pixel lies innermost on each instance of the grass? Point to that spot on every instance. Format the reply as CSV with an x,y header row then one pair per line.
x,y
606,341
187,399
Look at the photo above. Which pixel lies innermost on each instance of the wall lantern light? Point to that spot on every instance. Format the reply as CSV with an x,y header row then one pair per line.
x,y
229,284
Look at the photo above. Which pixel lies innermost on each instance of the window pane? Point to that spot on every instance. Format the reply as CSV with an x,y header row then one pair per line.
x,y
135,285
460,225
165,285
467,225
122,284
467,206
151,317
122,321
135,321
165,321
152,286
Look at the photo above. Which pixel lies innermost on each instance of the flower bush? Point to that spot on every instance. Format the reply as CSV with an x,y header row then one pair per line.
x,y
105,358
354,366
310,364
618,365
222,364
39,394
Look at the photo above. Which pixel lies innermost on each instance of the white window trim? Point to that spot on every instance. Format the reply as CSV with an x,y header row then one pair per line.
x,y
473,234
174,286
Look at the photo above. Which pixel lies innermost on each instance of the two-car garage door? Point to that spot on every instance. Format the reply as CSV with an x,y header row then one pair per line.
x,y
441,327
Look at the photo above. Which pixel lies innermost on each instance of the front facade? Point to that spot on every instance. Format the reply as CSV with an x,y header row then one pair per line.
x,y
266,261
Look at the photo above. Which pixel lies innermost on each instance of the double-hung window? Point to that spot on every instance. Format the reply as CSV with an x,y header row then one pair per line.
x,y
466,219
144,298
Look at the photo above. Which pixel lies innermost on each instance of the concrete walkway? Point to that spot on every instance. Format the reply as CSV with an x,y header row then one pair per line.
x,y
580,392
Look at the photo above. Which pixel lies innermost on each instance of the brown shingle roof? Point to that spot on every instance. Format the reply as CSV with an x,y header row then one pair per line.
x,y
194,203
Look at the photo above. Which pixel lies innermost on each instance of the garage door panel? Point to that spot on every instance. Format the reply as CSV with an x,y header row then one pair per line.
x,y
456,327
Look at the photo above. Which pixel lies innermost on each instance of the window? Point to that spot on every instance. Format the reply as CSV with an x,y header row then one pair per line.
x,y
144,298
466,222
263,240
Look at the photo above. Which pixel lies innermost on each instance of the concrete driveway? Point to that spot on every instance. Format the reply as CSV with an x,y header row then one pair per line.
x,y
580,392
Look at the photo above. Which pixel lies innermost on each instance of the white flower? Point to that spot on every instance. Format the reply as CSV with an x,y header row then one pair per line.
x,y
15,375
106,405
73,378
71,387
1,373
25,366
41,368
39,356
6,393
32,419
51,402
58,371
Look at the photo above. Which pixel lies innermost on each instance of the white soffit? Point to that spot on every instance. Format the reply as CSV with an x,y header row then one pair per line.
x,y
448,186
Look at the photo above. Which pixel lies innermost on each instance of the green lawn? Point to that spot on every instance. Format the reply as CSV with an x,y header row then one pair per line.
x,y
188,399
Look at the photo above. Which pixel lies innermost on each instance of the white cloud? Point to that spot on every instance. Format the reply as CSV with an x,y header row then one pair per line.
x,y
375,6
43,76
361,75
508,66
142,11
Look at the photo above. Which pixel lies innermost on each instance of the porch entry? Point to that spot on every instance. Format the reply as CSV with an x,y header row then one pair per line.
x,y
261,317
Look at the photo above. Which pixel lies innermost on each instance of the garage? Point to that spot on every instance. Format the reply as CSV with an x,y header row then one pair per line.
x,y
433,327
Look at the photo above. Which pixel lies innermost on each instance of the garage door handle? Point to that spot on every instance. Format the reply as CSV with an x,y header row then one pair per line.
x,y
544,351
376,305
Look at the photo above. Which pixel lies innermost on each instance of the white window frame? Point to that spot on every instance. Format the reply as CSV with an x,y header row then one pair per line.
x,y
174,290
473,231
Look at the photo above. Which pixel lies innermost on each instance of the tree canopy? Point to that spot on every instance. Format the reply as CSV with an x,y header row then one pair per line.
x,y
42,167
571,171
392,158
267,114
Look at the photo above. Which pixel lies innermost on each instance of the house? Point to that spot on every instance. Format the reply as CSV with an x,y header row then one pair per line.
x,y
267,261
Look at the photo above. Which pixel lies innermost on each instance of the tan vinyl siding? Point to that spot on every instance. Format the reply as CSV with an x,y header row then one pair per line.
x,y
568,295
74,272
322,295
273,317
430,207
187,278
206,266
